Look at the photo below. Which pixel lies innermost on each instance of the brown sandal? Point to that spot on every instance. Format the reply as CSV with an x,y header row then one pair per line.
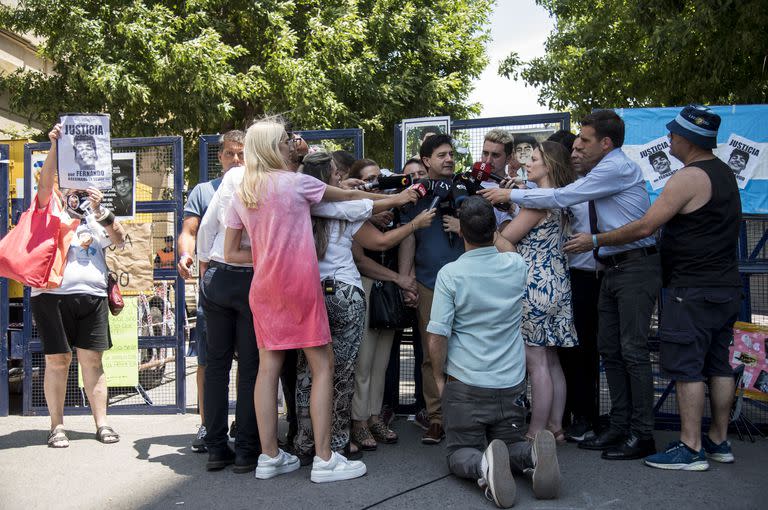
x,y
382,433
107,435
362,437
57,438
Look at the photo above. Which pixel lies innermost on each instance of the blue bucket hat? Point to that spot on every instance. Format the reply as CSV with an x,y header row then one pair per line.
x,y
697,124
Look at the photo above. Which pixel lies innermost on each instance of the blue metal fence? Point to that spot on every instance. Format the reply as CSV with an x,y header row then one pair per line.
x,y
350,140
475,129
4,309
160,156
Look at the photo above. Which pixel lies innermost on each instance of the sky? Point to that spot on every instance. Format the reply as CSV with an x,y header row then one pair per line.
x,y
516,25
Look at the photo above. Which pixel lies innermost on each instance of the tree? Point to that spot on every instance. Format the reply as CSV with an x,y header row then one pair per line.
x,y
634,53
197,66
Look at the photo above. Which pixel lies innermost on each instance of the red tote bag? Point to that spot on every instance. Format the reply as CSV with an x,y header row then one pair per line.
x,y
30,250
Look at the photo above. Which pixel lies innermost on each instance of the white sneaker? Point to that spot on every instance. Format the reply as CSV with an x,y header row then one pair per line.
x,y
336,468
546,469
497,480
270,467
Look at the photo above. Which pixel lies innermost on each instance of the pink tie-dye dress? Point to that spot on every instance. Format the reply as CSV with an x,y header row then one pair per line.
x,y
286,296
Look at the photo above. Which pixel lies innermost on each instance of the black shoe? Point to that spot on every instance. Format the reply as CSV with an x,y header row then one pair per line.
x,y
633,448
233,430
350,455
221,460
578,431
605,440
245,464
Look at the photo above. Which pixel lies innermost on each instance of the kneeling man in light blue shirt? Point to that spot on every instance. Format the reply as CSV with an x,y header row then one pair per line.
x,y
479,363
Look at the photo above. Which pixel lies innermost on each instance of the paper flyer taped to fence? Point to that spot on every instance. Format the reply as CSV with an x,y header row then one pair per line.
x,y
121,198
657,163
84,151
132,262
742,156
121,362
749,345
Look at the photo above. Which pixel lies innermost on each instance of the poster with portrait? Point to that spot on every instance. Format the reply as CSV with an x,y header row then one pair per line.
x,y
741,141
742,156
748,349
121,197
415,131
657,163
84,151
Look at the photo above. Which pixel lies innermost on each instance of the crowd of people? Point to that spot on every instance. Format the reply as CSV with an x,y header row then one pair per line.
x,y
516,282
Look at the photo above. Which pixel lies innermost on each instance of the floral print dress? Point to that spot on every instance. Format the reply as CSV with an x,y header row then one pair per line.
x,y
547,312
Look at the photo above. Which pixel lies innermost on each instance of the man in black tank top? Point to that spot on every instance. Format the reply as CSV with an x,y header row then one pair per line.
x,y
701,211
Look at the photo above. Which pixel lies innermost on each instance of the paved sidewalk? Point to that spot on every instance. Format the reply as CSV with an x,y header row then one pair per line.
x,y
153,467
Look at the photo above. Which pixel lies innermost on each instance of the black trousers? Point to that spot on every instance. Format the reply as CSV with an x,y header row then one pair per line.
x,y
230,329
581,364
627,298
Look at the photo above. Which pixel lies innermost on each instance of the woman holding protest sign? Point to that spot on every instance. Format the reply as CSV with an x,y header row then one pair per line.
x,y
75,313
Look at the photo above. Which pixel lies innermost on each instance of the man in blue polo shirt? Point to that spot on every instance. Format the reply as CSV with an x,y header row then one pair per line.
x,y
423,253
478,361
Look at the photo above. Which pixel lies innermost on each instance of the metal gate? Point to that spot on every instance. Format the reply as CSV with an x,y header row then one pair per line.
x,y
350,140
4,310
159,200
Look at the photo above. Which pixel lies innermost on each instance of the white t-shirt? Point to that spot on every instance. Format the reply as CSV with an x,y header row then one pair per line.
x,y
338,262
86,269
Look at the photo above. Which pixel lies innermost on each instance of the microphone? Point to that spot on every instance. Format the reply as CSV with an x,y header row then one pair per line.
x,y
387,182
482,172
459,193
420,189
441,192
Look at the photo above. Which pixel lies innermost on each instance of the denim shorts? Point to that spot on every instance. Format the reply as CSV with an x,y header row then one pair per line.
x,y
696,332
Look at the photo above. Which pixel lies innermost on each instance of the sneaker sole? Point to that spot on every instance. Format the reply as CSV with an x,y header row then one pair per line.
x,y
579,439
331,476
500,480
431,440
218,465
725,458
699,465
271,471
199,449
546,474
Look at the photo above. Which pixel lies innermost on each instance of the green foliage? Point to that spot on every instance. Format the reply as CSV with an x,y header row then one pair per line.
x,y
635,53
202,66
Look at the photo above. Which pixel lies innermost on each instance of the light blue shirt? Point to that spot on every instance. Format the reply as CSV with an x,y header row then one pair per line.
x,y
478,306
578,217
616,185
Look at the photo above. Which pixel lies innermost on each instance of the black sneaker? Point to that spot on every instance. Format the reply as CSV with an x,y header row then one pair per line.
x,y
198,445
217,461
578,431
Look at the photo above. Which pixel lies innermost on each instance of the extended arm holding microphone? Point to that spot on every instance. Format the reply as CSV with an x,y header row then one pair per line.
x,y
380,202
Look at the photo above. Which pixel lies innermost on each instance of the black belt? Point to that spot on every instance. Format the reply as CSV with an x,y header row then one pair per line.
x,y
237,269
637,253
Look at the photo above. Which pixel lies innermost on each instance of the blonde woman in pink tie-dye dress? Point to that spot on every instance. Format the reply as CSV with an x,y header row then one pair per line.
x,y
288,307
